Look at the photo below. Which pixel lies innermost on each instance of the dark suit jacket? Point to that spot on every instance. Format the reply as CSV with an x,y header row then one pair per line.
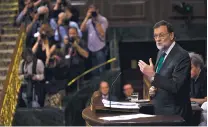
x,y
199,86
173,84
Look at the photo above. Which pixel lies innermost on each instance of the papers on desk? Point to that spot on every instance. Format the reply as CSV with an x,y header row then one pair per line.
x,y
121,105
143,101
126,117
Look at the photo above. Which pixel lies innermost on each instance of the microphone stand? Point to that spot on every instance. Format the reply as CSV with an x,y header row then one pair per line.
x,y
112,88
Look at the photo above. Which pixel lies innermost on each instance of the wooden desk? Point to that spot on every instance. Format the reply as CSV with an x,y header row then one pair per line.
x,y
92,119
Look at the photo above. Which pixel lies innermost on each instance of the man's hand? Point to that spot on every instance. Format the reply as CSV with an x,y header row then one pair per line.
x,y
89,13
25,9
152,91
36,16
74,44
146,69
61,18
58,1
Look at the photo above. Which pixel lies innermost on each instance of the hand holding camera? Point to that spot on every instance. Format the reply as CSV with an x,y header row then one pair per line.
x,y
89,13
36,17
25,10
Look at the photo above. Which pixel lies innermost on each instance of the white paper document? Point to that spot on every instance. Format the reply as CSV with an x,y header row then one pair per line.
x,y
121,105
126,117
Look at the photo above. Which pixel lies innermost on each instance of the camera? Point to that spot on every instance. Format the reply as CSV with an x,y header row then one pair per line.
x,y
71,39
94,14
43,36
66,22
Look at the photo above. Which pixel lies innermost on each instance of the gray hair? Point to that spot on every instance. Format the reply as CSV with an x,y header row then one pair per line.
x,y
196,60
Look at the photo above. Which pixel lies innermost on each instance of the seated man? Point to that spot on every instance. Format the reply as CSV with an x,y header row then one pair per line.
x,y
104,91
199,79
128,90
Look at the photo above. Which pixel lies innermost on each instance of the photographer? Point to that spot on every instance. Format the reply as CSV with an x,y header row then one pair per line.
x,y
75,52
45,44
39,18
31,71
26,14
65,20
96,25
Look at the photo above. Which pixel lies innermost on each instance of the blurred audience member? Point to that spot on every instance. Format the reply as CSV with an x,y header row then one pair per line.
x,y
104,90
75,52
128,90
199,79
96,25
31,71
45,45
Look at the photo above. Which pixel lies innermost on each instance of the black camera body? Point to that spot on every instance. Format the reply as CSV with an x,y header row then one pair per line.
x,y
43,36
94,14
71,39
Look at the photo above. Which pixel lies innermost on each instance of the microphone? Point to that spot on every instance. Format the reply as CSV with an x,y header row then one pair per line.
x,y
112,87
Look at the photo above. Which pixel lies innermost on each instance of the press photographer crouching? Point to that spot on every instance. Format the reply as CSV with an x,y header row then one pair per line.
x,y
31,71
75,52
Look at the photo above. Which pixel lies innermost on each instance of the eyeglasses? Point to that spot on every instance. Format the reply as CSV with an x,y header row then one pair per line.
x,y
161,36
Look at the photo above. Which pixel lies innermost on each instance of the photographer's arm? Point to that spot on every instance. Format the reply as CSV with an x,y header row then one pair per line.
x,y
49,50
83,26
29,27
80,50
21,16
101,28
37,3
35,47
57,5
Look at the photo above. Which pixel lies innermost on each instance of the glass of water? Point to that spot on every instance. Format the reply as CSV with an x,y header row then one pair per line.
x,y
134,97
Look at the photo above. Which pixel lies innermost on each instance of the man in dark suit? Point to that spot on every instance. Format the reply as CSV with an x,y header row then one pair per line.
x,y
170,78
104,91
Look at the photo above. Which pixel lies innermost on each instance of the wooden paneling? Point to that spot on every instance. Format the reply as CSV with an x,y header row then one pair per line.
x,y
136,12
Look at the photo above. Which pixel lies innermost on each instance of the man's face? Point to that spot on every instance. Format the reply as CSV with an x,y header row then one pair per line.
x,y
128,90
104,88
72,32
194,71
163,38
92,8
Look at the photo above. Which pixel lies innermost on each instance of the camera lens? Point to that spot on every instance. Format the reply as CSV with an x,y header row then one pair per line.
x,y
43,36
71,39
94,14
